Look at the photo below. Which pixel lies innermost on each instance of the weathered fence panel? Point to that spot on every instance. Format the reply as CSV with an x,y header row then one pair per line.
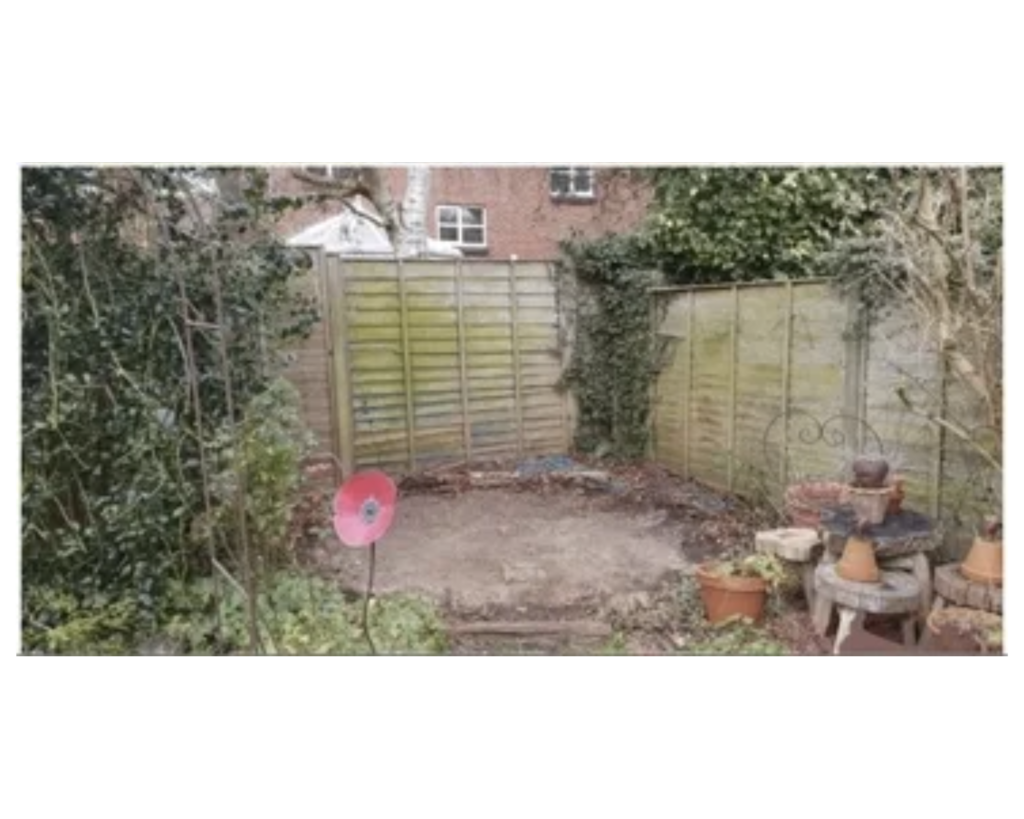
x,y
436,361
753,363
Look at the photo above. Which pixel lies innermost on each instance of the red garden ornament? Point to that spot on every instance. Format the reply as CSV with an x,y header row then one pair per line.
x,y
364,508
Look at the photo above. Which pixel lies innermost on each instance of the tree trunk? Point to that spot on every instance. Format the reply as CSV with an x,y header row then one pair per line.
x,y
412,233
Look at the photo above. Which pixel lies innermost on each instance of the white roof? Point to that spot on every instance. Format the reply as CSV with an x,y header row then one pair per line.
x,y
349,234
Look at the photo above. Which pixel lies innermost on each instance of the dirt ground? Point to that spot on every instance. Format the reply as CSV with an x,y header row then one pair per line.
x,y
607,553
511,549
581,558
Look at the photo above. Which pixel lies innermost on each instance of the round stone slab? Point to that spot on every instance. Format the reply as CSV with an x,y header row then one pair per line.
x,y
906,533
895,593
796,545
954,587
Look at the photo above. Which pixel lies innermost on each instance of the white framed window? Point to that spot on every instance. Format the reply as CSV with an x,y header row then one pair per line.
x,y
462,225
571,182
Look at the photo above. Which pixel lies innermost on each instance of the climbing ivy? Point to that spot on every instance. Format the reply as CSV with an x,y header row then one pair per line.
x,y
612,365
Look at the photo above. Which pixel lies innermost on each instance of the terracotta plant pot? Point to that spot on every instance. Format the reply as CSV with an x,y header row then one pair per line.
x,y
984,562
965,631
869,504
896,496
869,472
726,597
804,502
858,562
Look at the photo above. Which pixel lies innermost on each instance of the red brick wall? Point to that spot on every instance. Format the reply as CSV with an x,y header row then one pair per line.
x,y
522,218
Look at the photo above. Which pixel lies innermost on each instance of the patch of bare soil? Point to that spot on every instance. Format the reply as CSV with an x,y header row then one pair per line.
x,y
594,544
506,549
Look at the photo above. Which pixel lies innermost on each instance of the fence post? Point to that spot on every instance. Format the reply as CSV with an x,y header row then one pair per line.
x,y
865,380
460,320
323,300
734,331
787,354
341,376
689,383
854,360
516,370
566,307
410,422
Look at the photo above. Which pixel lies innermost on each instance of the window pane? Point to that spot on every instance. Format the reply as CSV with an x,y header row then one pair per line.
x,y
448,216
473,236
448,234
472,216
583,180
559,180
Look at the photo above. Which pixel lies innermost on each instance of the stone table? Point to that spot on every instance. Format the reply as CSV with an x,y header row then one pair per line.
x,y
793,545
897,593
902,542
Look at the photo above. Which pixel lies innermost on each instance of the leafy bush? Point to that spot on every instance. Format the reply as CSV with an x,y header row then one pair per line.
x,y
268,449
60,623
121,269
301,614
298,615
746,223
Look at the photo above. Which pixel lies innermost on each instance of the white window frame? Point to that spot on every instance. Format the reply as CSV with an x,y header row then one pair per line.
x,y
460,242
572,193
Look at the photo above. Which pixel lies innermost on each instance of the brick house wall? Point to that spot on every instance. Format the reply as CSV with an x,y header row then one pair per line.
x,y
522,217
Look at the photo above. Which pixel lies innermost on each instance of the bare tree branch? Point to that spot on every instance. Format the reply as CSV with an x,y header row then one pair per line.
x,y
361,181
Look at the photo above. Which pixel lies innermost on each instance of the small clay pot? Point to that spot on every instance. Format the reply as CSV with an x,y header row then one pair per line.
x,y
869,472
858,561
984,562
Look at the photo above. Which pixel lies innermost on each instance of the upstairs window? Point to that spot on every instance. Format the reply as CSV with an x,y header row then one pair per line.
x,y
462,226
572,183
